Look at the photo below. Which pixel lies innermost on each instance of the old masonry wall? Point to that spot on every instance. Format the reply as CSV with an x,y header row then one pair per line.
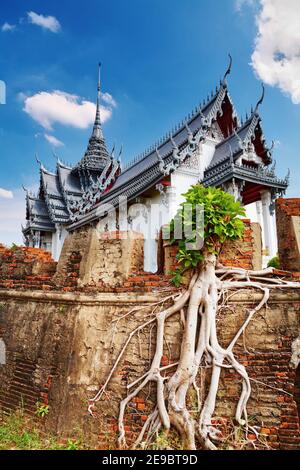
x,y
64,325
61,346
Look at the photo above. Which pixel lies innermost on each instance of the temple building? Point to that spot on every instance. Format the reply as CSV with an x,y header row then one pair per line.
x,y
211,145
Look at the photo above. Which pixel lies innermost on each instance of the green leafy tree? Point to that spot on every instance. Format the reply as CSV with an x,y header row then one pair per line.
x,y
221,222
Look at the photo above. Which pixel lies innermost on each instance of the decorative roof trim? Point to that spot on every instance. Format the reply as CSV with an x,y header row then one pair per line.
x,y
228,170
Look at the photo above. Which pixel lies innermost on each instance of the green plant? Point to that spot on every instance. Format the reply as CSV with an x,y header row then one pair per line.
x,y
21,432
72,445
14,247
14,435
221,222
274,262
41,410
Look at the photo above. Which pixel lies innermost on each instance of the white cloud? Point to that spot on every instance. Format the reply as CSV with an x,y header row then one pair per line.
x,y
5,194
108,99
276,58
53,140
48,108
46,22
8,27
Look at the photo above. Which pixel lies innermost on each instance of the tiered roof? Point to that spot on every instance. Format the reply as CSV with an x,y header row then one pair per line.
x,y
37,215
72,196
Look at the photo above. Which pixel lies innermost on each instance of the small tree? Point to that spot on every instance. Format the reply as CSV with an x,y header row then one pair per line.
x,y
221,222
198,306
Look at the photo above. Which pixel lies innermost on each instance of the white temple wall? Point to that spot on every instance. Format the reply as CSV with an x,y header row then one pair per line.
x,y
58,238
269,223
153,213
46,241
145,216
181,181
190,173
161,208
207,150
251,212
261,212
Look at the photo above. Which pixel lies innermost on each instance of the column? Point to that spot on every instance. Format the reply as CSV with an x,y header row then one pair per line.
x,y
37,239
269,232
259,215
274,242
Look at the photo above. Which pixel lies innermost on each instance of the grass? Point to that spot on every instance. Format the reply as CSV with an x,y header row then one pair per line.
x,y
20,432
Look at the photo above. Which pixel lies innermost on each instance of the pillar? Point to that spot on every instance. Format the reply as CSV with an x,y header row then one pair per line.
x,y
269,228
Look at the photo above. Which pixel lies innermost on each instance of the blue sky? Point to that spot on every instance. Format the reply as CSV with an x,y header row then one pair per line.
x,y
160,58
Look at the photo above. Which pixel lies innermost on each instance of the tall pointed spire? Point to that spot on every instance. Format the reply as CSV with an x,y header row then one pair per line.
x,y
96,155
97,129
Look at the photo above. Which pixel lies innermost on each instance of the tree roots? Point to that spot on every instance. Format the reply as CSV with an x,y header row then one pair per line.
x,y
199,346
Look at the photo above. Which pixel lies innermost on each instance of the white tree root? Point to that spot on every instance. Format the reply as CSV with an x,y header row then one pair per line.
x,y
199,347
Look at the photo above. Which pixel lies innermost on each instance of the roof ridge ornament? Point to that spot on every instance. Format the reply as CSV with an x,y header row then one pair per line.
x,y
287,178
120,153
260,100
230,154
37,159
112,153
241,143
228,71
273,167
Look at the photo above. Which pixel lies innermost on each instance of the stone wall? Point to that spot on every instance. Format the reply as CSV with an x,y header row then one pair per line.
x,y
112,257
288,233
61,347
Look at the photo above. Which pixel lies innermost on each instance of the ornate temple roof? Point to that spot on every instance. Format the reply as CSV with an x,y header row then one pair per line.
x,y
72,195
37,215
149,168
226,170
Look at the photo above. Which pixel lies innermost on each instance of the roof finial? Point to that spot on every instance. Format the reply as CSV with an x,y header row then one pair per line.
x,y
230,155
99,79
287,178
228,70
260,100
120,153
97,131
37,159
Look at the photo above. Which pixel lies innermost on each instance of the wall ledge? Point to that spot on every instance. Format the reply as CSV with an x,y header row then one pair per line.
x,y
111,298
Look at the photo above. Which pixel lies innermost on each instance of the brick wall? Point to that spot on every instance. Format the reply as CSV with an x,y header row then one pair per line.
x,y
26,268
67,343
288,233
243,253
